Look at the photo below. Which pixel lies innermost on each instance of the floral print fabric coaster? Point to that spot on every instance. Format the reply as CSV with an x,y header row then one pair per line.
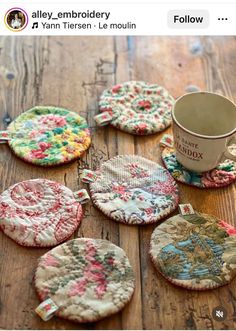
x,y
133,190
136,107
39,212
88,279
223,175
195,251
48,136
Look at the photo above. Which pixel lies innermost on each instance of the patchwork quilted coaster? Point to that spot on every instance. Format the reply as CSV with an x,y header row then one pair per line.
x,y
136,107
223,175
132,190
195,251
48,136
40,212
87,279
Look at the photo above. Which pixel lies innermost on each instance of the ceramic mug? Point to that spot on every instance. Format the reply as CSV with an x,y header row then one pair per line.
x,y
204,125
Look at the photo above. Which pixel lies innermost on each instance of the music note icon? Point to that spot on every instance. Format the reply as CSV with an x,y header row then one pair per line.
x,y
35,25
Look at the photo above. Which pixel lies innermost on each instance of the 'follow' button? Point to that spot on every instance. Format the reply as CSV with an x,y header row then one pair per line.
x,y
187,19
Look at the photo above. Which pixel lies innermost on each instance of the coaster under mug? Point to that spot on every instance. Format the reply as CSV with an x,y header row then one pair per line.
x,y
223,175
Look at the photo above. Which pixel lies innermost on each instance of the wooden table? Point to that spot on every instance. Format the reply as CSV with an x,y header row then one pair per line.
x,y
72,72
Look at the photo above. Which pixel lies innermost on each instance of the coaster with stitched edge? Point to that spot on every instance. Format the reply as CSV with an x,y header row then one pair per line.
x,y
132,190
136,107
87,279
224,174
47,136
40,212
195,251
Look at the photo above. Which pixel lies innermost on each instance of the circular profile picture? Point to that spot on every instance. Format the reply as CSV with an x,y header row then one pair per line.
x,y
16,19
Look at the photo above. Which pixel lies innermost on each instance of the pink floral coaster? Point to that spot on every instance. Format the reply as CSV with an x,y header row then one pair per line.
x,y
40,212
136,107
133,190
47,136
87,279
223,175
195,251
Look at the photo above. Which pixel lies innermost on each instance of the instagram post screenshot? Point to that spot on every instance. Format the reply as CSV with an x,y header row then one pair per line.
x,y
118,165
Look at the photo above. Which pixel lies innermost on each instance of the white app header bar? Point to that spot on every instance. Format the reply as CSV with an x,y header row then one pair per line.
x,y
117,19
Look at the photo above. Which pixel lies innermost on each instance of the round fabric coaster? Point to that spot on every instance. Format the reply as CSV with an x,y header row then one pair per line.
x,y
137,107
88,279
223,175
39,213
134,190
195,251
48,136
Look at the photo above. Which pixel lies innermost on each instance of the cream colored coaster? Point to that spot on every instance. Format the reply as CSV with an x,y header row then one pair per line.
x,y
40,212
133,190
136,107
88,279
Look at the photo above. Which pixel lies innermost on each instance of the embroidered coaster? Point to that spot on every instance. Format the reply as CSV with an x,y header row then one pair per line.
x,y
47,136
133,190
195,251
40,212
88,279
136,107
223,175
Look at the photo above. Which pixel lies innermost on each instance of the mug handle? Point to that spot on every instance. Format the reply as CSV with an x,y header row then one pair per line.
x,y
231,145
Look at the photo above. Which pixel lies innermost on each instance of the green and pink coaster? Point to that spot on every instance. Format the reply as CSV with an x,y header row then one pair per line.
x,y
136,107
223,175
47,136
84,280
40,212
132,190
194,250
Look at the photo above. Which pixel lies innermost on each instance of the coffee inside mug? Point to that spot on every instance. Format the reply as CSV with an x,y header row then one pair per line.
x,y
205,114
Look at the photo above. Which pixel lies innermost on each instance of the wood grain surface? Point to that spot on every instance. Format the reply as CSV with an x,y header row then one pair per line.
x,y
72,72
